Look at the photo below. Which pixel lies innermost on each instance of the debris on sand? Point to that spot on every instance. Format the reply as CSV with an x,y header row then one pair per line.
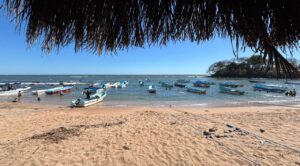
x,y
57,135
62,133
230,126
126,147
206,133
214,129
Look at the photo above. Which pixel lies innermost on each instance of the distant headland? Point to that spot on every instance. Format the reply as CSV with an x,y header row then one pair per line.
x,y
252,67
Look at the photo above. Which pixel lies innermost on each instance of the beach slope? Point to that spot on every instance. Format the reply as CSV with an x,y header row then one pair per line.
x,y
51,135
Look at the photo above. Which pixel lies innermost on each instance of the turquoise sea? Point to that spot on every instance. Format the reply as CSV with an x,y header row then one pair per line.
x,y
134,94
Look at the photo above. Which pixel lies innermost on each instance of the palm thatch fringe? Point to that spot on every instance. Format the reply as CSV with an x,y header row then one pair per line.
x,y
109,25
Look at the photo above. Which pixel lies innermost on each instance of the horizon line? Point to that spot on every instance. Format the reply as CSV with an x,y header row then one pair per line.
x,y
99,74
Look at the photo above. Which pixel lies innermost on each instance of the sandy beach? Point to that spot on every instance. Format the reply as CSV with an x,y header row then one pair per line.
x,y
35,134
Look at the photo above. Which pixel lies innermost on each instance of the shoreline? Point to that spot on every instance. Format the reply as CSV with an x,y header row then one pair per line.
x,y
143,135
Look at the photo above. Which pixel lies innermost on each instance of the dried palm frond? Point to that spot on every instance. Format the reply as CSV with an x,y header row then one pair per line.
x,y
109,25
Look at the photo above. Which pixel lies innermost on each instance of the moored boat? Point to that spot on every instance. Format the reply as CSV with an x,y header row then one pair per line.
x,y
70,83
62,90
151,89
107,85
116,85
124,84
141,83
270,88
257,81
43,91
181,83
92,90
14,91
231,84
92,99
195,90
166,85
202,84
292,83
232,91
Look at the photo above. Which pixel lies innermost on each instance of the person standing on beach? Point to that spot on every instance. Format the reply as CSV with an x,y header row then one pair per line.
x,y
19,95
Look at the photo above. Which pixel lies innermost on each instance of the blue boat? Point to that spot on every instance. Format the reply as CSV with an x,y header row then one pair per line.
x,y
93,89
256,81
195,90
181,83
231,84
270,88
292,83
166,85
231,91
202,84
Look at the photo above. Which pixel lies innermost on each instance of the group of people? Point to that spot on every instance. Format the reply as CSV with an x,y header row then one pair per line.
x,y
291,93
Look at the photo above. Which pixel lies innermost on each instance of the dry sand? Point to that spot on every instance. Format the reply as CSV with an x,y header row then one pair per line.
x,y
51,135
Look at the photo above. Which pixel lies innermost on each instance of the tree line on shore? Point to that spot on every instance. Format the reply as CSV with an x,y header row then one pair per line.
x,y
248,67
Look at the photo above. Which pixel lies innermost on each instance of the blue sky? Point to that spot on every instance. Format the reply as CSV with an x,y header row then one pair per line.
x,y
175,58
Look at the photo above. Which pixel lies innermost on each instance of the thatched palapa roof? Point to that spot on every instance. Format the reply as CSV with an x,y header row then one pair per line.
x,y
267,26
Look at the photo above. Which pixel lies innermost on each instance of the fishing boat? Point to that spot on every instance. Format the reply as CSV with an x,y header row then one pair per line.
x,y
166,85
229,90
107,85
269,88
116,85
61,90
195,90
43,91
231,84
256,81
94,89
181,83
124,84
141,83
71,83
93,99
13,92
151,89
202,84
292,83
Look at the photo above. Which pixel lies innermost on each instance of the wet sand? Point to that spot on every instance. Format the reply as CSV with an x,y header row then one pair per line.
x,y
36,134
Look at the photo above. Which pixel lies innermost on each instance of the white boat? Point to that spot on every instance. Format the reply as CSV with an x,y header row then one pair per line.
x,y
43,91
151,89
72,83
116,85
13,92
141,83
108,85
94,99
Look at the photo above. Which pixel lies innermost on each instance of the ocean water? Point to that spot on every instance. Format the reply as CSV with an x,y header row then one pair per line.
x,y
134,94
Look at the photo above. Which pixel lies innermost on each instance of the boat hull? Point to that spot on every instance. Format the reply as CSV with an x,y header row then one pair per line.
x,y
181,85
87,102
13,92
59,91
269,88
231,91
196,90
